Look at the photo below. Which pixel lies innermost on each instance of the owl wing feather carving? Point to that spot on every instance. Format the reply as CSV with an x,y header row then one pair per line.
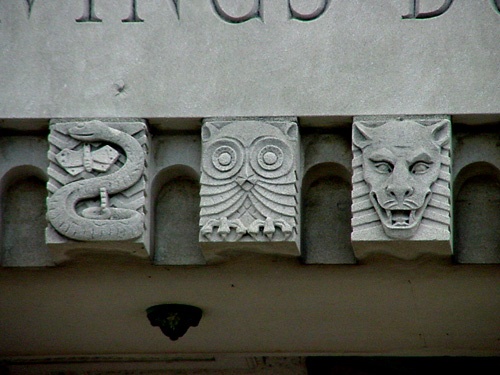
x,y
248,186
269,207
216,205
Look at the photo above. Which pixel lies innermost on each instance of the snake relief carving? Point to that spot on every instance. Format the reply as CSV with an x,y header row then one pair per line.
x,y
104,223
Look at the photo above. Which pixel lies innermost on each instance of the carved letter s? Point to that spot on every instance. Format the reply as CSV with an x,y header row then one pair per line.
x,y
255,12
415,10
311,16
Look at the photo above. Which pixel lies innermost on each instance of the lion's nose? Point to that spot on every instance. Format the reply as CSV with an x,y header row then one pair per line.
x,y
399,192
399,187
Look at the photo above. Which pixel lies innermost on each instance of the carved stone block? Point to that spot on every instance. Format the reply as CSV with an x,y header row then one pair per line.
x,y
249,187
401,186
97,186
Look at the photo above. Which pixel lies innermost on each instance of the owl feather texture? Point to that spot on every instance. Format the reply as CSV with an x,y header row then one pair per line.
x,y
248,181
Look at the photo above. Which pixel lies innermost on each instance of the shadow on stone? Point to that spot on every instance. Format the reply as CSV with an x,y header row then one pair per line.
x,y
477,220
176,223
326,220
23,224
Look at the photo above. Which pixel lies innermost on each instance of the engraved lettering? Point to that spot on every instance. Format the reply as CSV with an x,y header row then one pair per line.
x,y
496,4
255,12
308,17
226,11
416,14
89,13
175,3
30,5
133,14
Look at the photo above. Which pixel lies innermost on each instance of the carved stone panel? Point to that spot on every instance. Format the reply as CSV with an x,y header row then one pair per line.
x,y
249,186
97,185
401,186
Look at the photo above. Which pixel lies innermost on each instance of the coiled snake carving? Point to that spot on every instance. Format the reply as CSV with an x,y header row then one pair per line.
x,y
99,223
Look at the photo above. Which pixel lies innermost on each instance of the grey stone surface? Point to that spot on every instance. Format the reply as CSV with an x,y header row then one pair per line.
x,y
97,185
401,182
326,197
326,225
326,157
477,220
249,186
22,155
23,224
22,209
176,223
175,62
189,61
175,172
476,185
475,153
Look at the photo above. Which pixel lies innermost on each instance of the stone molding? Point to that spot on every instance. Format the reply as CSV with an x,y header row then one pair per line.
x,y
235,145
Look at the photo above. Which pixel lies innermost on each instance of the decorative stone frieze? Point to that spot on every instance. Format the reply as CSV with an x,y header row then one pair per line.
x,y
249,186
97,185
401,185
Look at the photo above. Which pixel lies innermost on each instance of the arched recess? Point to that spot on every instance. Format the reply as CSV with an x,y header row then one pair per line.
x,y
23,194
326,215
476,230
176,215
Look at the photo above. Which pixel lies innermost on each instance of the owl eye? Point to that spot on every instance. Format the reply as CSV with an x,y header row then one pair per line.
x,y
271,157
225,158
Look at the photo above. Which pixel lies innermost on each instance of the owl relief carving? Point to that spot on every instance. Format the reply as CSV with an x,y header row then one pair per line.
x,y
249,191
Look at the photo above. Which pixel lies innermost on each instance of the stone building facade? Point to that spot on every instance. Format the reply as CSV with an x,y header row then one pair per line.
x,y
277,186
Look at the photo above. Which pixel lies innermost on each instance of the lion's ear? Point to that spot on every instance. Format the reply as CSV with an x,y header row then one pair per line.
x,y
360,135
440,132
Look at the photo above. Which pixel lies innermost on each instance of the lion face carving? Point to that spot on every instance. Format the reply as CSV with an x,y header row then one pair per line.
x,y
401,160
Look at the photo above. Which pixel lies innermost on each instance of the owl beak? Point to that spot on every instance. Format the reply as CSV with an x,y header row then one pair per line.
x,y
246,182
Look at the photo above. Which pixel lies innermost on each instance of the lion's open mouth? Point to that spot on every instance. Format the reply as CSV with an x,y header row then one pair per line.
x,y
399,218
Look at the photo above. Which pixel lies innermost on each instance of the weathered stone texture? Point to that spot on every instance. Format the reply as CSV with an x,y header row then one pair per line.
x,y
326,198
97,184
185,61
401,183
476,188
249,186
176,223
23,223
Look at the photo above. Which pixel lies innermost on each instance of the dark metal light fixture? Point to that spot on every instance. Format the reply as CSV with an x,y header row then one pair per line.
x,y
174,319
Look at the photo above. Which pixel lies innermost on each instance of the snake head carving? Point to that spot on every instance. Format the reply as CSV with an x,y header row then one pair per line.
x,y
88,131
